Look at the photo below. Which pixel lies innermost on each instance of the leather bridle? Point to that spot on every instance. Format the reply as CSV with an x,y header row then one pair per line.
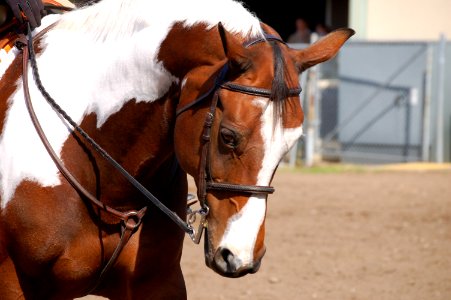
x,y
131,220
205,181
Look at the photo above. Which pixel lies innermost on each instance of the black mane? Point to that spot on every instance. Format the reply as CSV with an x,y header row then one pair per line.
x,y
279,90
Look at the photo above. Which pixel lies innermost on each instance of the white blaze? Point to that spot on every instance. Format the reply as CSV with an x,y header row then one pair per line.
x,y
243,227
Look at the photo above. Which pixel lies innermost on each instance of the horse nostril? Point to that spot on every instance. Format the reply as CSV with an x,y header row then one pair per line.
x,y
227,256
225,260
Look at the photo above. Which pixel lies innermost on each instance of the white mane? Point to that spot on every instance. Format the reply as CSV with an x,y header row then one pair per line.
x,y
111,19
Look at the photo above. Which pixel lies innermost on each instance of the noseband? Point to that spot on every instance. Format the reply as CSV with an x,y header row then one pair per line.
x,y
205,181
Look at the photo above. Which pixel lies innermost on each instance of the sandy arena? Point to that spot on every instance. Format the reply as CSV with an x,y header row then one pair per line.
x,y
382,235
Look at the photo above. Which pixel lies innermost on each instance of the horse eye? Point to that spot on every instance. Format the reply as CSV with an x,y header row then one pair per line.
x,y
229,138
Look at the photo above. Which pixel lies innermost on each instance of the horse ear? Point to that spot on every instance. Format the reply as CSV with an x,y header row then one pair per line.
x,y
234,50
322,50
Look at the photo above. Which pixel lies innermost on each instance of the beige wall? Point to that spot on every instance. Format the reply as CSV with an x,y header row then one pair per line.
x,y
400,19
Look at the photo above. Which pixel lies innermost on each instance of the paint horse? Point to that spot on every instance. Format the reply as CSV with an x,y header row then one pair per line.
x,y
105,111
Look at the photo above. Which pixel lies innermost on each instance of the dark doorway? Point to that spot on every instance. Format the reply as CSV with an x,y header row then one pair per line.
x,y
281,15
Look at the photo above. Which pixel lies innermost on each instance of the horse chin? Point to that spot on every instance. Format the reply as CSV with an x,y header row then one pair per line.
x,y
218,262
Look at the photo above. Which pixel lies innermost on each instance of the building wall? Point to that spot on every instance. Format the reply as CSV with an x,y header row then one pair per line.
x,y
412,20
400,19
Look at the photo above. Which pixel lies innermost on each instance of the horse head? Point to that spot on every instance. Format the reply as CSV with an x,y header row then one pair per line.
x,y
236,120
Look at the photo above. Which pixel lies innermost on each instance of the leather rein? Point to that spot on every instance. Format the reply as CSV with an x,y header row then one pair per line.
x,y
132,219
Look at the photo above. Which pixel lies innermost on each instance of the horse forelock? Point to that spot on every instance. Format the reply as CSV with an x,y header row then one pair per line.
x,y
280,89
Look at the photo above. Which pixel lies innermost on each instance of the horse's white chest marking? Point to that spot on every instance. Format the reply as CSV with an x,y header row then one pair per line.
x,y
242,228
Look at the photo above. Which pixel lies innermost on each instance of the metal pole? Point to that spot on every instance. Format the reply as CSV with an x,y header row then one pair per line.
x,y
311,114
293,155
440,99
310,134
409,102
426,135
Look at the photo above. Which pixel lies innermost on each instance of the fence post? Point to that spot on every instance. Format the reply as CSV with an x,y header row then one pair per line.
x,y
312,122
440,99
426,134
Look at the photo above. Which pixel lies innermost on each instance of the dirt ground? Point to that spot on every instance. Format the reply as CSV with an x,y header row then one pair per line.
x,y
348,235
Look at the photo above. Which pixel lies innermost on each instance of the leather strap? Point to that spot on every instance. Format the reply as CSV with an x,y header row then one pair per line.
x,y
219,79
130,220
255,91
129,228
206,138
267,37
59,164
172,215
240,188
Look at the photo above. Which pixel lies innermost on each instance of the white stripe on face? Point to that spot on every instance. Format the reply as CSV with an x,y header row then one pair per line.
x,y
243,227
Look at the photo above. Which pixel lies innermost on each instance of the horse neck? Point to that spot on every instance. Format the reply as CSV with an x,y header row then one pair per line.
x,y
137,133
139,137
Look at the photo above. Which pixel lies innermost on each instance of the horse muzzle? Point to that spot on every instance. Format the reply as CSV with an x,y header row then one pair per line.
x,y
227,264
224,262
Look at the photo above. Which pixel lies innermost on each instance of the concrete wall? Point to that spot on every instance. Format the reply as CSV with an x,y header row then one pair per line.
x,y
400,19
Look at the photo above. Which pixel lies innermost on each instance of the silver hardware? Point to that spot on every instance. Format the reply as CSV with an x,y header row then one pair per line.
x,y
196,235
